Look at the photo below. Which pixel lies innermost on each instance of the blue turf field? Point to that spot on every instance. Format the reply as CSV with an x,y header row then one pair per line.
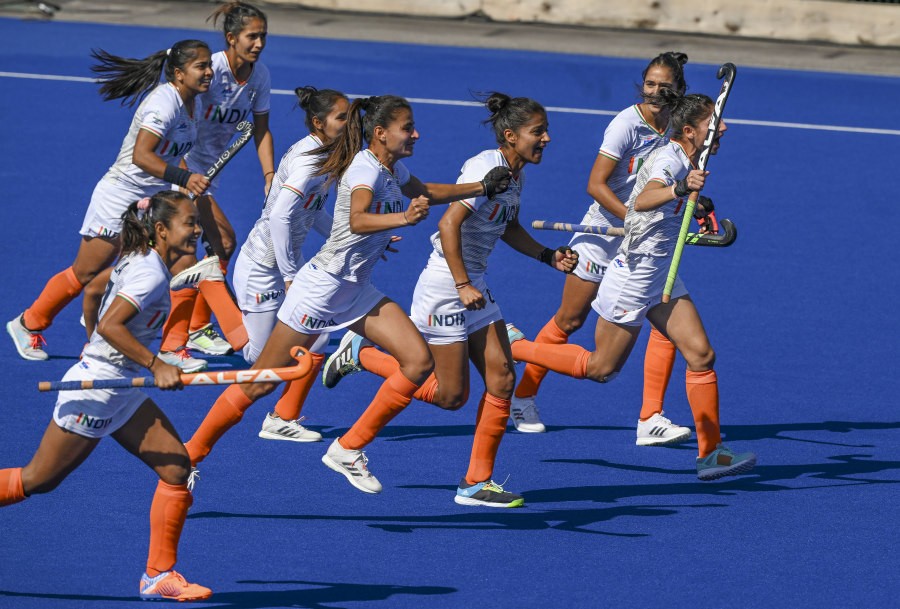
x,y
807,361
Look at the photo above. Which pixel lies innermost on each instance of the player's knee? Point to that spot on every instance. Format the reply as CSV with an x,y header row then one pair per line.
x,y
417,366
700,359
601,372
501,384
568,323
177,472
255,391
454,401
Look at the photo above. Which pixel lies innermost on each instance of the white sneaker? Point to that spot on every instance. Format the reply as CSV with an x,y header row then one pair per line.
x,y
345,360
207,340
30,345
276,428
182,358
659,430
207,269
525,416
353,465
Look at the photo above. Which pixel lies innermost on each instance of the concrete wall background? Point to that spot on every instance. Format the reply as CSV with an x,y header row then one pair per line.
x,y
833,21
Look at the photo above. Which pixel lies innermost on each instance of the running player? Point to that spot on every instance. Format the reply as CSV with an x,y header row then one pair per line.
x,y
163,130
272,254
240,90
630,138
454,308
154,232
633,286
334,290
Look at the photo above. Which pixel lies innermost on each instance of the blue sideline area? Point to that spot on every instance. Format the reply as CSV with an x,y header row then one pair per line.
x,y
807,362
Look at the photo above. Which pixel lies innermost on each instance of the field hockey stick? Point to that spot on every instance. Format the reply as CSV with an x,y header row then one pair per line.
x,y
224,377
702,239
245,128
728,72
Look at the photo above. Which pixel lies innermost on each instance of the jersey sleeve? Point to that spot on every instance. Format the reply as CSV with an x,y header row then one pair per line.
x,y
361,175
666,170
158,116
474,170
143,287
618,139
280,229
263,101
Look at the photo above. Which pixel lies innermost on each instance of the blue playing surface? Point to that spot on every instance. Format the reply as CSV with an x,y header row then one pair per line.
x,y
807,362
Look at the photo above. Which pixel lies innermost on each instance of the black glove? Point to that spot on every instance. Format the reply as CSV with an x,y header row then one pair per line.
x,y
496,181
705,215
681,188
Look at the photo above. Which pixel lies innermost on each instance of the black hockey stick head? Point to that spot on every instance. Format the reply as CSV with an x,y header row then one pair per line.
x,y
726,238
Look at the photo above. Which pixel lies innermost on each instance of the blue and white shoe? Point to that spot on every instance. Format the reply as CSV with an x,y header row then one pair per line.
x,y
344,361
514,333
487,494
724,462
30,345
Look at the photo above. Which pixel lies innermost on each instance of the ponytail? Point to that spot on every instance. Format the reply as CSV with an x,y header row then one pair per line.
x,y
139,220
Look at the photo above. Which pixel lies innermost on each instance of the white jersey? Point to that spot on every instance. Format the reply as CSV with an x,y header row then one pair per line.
x,y
489,218
295,203
351,256
143,281
655,232
628,140
227,103
163,114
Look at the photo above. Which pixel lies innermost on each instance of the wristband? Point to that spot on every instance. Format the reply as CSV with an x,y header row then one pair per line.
x,y
460,286
176,175
546,256
405,219
152,361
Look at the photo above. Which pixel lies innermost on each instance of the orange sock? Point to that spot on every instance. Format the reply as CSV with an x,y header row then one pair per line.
x,y
202,314
225,414
490,425
378,362
229,316
533,374
570,360
658,363
167,513
703,396
426,392
11,490
394,395
175,332
294,395
59,291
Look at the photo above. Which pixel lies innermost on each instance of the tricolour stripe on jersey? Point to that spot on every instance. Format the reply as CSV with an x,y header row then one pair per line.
x,y
154,132
129,300
293,190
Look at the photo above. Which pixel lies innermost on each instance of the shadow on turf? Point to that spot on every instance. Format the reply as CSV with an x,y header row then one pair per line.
x,y
312,595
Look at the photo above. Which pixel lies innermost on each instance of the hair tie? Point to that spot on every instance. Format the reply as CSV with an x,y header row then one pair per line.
x,y
168,52
143,204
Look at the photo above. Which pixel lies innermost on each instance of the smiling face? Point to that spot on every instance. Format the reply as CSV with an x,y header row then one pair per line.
x,y
657,77
528,141
196,74
400,135
250,42
180,237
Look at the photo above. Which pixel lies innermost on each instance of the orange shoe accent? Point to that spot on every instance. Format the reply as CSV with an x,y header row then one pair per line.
x,y
533,374
570,360
59,291
173,586
394,395
227,412
175,332
167,513
294,395
378,362
202,314
490,425
658,363
229,316
11,490
703,396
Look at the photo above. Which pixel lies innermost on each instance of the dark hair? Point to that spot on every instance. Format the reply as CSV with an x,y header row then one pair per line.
x,y
235,16
317,103
684,109
132,79
138,226
509,113
674,62
379,112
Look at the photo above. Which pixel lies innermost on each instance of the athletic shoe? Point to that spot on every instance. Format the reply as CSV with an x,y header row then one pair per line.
x,y
207,340
171,585
276,428
193,479
182,358
658,430
514,333
344,361
30,345
525,416
353,465
723,462
207,269
488,494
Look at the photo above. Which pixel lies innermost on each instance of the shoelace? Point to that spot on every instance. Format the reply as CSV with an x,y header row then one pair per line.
x,y
184,354
37,341
531,408
193,477
365,462
490,485
210,333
